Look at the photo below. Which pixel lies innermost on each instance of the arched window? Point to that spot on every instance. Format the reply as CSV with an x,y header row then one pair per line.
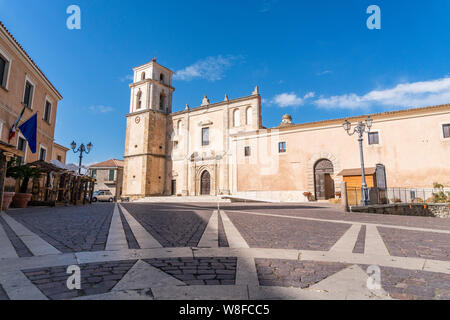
x,y
248,116
162,99
236,118
161,77
179,124
143,76
139,99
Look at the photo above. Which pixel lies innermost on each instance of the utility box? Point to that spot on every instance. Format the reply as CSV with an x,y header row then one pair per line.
x,y
375,180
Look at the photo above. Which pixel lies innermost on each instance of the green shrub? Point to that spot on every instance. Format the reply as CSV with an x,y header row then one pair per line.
x,y
439,196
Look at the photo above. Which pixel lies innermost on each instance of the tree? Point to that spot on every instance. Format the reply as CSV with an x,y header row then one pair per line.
x,y
22,172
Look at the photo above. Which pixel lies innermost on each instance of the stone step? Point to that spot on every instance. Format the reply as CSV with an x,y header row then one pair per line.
x,y
171,199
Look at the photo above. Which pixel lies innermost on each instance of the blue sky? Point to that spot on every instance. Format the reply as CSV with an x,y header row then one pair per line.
x,y
313,59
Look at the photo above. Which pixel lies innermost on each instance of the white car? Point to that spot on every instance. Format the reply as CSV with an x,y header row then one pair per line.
x,y
102,195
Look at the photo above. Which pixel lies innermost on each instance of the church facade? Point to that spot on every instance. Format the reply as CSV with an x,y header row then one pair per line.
x,y
223,148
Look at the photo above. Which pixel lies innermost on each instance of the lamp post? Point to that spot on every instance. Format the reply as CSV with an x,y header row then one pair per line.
x,y
360,129
81,149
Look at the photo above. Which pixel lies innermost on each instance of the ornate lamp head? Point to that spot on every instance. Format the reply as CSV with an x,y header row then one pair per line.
x,y
369,122
347,125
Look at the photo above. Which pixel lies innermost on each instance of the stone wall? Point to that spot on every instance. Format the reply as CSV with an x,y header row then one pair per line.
x,y
441,210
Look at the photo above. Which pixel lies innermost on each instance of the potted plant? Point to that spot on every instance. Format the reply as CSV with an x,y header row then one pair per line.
x,y
7,199
23,173
308,195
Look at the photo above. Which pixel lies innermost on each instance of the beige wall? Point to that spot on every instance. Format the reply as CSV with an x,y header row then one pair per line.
x,y
103,181
12,96
59,151
145,149
190,158
411,148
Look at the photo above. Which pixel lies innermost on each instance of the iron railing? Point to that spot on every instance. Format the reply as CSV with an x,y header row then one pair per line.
x,y
393,195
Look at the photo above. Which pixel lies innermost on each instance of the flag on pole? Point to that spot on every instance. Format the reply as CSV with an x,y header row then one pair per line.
x,y
29,131
12,131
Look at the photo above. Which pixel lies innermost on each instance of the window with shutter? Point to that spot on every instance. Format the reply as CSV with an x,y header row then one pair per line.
x,y
28,96
47,111
374,138
446,128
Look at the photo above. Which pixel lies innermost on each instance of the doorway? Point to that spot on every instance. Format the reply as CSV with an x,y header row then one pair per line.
x,y
205,183
323,181
174,187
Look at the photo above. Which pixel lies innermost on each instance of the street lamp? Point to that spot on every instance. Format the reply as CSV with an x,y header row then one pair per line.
x,y
360,129
81,149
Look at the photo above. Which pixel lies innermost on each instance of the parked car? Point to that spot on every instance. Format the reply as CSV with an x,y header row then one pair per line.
x,y
102,195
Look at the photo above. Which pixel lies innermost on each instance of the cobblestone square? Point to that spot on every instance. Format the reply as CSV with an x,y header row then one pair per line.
x,y
179,250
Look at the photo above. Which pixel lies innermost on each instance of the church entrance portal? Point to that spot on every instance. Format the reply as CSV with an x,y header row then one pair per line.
x,y
205,183
323,181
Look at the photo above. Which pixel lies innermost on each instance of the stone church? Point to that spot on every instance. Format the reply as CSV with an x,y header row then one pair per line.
x,y
222,148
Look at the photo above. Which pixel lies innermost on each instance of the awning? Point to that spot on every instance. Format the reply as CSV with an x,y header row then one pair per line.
x,y
45,166
9,148
357,172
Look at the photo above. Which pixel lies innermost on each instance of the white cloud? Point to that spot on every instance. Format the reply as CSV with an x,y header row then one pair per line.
x,y
322,73
210,68
415,94
101,109
309,95
290,99
267,5
127,78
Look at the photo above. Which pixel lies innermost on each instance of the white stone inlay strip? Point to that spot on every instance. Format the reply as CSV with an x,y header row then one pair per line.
x,y
347,242
116,236
201,293
142,275
143,237
35,244
6,248
374,243
210,238
393,226
246,273
235,240
350,283
18,287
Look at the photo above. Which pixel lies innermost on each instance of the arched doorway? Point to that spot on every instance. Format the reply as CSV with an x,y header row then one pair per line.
x,y
205,183
323,182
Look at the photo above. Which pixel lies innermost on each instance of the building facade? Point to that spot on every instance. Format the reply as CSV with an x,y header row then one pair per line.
x,y
21,81
222,148
108,175
59,153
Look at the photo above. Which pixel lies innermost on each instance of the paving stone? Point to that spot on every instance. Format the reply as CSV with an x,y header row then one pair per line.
x,y
131,239
197,271
223,241
20,247
290,273
69,229
182,228
3,295
414,284
410,243
94,280
183,225
273,232
360,241
324,211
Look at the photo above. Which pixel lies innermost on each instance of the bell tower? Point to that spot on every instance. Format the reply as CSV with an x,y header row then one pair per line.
x,y
146,134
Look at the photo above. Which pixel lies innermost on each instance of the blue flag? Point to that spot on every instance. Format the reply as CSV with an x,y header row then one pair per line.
x,y
28,129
